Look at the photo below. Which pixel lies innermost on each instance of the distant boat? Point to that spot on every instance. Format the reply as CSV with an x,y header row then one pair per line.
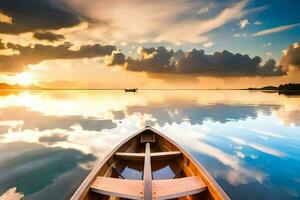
x,y
131,90
148,165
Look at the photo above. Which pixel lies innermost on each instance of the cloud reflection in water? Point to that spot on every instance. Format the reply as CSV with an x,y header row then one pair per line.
x,y
222,129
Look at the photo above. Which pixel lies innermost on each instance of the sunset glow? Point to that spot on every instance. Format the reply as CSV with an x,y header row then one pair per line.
x,y
193,44
219,77
24,78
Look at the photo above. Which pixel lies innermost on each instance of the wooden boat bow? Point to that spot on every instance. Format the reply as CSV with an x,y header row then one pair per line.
x,y
190,181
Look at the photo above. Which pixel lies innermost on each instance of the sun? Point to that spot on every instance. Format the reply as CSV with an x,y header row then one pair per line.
x,y
24,78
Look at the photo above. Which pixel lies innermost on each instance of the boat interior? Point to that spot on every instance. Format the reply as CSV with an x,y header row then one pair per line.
x,y
148,166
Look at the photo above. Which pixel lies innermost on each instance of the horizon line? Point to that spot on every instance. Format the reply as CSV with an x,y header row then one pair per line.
x,y
40,89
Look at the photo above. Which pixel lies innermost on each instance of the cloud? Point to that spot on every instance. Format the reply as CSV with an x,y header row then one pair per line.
x,y
31,15
195,114
290,117
232,169
53,139
258,147
201,28
8,52
49,36
240,35
33,55
240,154
208,44
154,21
5,19
227,64
28,38
244,23
276,29
257,23
42,122
116,58
40,161
11,194
196,62
267,44
206,9
269,54
291,58
156,60
268,133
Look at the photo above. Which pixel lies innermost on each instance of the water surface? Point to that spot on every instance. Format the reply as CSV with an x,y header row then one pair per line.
x,y
249,141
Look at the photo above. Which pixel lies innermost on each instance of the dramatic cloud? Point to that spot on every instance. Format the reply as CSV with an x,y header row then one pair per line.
x,y
33,55
31,15
48,36
291,57
117,58
155,21
196,62
156,60
226,64
276,29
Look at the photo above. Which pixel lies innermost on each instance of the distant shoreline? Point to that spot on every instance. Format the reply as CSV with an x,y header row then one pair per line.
x,y
121,89
287,88
105,89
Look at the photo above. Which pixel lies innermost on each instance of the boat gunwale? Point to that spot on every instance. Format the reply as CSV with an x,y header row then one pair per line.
x,y
207,178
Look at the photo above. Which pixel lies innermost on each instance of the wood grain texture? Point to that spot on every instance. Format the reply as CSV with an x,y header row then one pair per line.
x,y
132,189
147,174
174,188
141,156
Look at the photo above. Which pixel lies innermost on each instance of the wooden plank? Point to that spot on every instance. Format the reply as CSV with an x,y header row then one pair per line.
x,y
132,189
147,174
130,156
141,156
165,155
174,188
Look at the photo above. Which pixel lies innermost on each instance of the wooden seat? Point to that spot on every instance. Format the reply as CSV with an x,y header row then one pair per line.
x,y
165,155
154,156
132,189
161,189
174,188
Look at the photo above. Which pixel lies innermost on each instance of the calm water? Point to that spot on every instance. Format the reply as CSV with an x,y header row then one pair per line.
x,y
249,141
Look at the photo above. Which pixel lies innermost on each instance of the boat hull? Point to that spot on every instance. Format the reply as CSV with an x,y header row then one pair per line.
x,y
169,164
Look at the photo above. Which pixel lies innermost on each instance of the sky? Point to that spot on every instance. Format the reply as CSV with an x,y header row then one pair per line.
x,y
149,44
